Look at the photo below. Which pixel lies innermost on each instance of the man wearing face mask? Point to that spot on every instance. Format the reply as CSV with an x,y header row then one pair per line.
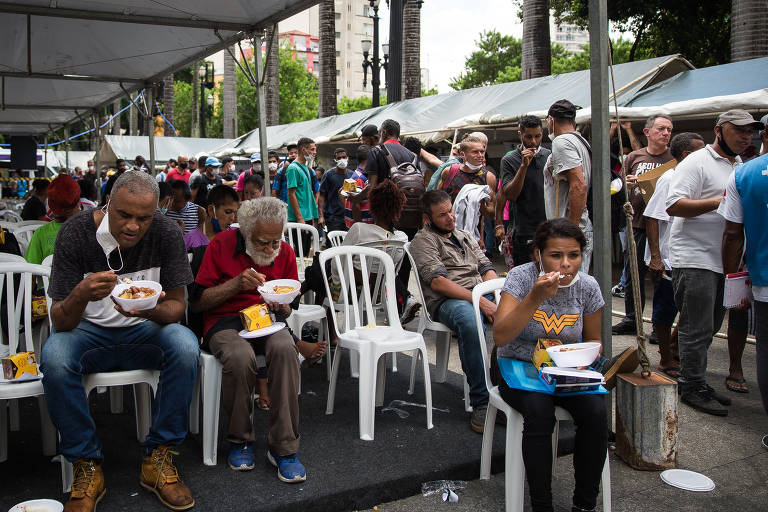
x,y
450,263
301,199
133,240
568,173
181,171
695,252
329,202
235,264
522,184
91,175
201,185
228,173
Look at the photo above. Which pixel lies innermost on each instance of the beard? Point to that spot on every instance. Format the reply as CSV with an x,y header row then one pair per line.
x,y
258,257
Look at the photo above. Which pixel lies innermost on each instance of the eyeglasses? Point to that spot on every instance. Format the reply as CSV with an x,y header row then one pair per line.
x,y
263,244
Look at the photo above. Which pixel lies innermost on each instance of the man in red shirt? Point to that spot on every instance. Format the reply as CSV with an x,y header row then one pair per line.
x,y
181,171
236,262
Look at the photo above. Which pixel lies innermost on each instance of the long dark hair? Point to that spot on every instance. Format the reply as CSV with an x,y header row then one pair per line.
x,y
558,228
387,202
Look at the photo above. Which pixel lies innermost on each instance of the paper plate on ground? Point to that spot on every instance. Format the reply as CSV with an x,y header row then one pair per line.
x,y
38,506
259,333
687,480
25,377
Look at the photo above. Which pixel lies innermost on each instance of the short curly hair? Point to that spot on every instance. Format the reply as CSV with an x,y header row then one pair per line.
x,y
386,202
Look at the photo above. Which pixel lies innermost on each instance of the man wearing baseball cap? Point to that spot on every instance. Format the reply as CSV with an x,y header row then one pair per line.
x,y
64,202
695,191
369,134
205,181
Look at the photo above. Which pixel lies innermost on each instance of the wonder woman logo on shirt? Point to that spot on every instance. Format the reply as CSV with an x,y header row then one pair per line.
x,y
553,323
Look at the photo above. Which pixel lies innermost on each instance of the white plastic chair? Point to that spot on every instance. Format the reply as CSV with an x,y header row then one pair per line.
x,y
24,234
442,339
23,389
292,234
336,237
209,378
514,469
14,224
11,216
372,366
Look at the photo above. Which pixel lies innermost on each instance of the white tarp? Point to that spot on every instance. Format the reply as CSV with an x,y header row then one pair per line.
x,y
128,147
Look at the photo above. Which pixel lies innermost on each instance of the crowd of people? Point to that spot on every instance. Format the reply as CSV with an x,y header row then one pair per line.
x,y
689,234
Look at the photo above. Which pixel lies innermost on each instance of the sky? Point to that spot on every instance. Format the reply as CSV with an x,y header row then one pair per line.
x,y
449,29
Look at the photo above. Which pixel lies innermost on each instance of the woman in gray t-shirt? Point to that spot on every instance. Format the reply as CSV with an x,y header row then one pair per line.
x,y
537,303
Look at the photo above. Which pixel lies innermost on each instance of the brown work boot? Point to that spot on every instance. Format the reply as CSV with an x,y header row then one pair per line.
x,y
160,476
87,487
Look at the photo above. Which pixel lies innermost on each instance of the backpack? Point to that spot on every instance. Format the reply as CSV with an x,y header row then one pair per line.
x,y
617,200
408,179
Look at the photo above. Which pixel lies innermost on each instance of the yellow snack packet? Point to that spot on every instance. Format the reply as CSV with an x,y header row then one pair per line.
x,y
16,365
256,317
540,355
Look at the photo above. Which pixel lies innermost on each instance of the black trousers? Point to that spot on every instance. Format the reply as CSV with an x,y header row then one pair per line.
x,y
761,349
629,298
538,411
405,267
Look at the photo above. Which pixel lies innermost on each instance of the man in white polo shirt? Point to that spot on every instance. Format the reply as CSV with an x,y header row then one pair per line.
x,y
695,192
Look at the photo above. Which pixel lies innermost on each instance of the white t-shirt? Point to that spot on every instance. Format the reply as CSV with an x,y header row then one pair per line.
x,y
695,242
730,208
657,209
568,152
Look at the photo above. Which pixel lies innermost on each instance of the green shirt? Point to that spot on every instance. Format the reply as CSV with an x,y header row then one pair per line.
x,y
297,176
41,245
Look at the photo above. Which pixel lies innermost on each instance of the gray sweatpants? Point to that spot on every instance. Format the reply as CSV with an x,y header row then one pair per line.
x,y
699,298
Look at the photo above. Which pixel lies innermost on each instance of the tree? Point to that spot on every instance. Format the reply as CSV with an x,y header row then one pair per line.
x,y
495,53
168,93
228,96
271,82
749,37
327,24
411,50
536,54
697,30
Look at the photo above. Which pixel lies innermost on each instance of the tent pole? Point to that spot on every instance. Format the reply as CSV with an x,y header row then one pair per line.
x,y
98,147
45,155
151,95
257,38
598,36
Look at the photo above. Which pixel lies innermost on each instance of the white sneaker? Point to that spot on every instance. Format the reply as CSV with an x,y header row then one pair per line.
x,y
411,309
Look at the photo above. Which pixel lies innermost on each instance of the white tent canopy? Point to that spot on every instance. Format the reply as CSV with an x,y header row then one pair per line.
x,y
128,147
60,61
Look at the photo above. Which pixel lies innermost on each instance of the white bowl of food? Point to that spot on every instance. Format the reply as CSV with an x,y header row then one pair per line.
x,y
38,506
377,332
281,291
137,295
574,355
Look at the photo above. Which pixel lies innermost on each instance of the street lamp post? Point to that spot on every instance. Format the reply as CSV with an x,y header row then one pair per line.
x,y
374,64
205,73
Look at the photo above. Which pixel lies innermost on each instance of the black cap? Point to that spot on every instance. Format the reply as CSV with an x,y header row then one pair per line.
x,y
562,109
369,130
339,150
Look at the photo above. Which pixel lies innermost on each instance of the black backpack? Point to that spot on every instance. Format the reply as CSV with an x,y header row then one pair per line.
x,y
409,179
617,200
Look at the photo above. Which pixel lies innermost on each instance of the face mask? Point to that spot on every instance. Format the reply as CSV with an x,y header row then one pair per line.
x,y
725,147
575,278
91,168
291,159
183,166
108,242
473,167
273,166
341,164
163,210
310,160
215,222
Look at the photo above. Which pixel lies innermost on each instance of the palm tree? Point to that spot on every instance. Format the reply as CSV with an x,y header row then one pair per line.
x,y
195,124
749,38
133,117
327,83
536,54
271,77
229,96
168,104
411,50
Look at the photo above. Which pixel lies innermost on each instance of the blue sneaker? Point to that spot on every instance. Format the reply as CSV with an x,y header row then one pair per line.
x,y
289,469
241,456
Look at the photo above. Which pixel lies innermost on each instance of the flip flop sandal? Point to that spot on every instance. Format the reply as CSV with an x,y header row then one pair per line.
x,y
730,387
673,372
263,403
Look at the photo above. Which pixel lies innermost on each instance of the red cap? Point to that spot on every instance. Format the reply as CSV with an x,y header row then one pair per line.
x,y
63,194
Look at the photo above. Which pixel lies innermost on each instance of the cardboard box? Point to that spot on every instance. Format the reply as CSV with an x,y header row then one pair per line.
x,y
540,355
647,180
16,365
256,317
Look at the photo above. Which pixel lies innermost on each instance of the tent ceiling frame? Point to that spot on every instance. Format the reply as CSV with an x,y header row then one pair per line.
x,y
82,78
44,107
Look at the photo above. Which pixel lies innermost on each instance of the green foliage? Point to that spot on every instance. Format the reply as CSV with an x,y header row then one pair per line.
x,y
428,92
700,31
502,66
298,100
346,105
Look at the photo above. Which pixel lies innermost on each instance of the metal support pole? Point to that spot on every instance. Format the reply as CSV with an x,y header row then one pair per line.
x,y
66,147
601,208
45,155
395,68
260,100
151,97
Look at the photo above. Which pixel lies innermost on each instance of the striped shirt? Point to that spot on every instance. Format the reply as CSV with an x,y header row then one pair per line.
x,y
188,215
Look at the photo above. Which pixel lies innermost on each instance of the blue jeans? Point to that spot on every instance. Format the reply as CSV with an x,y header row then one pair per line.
x,y
459,316
89,348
